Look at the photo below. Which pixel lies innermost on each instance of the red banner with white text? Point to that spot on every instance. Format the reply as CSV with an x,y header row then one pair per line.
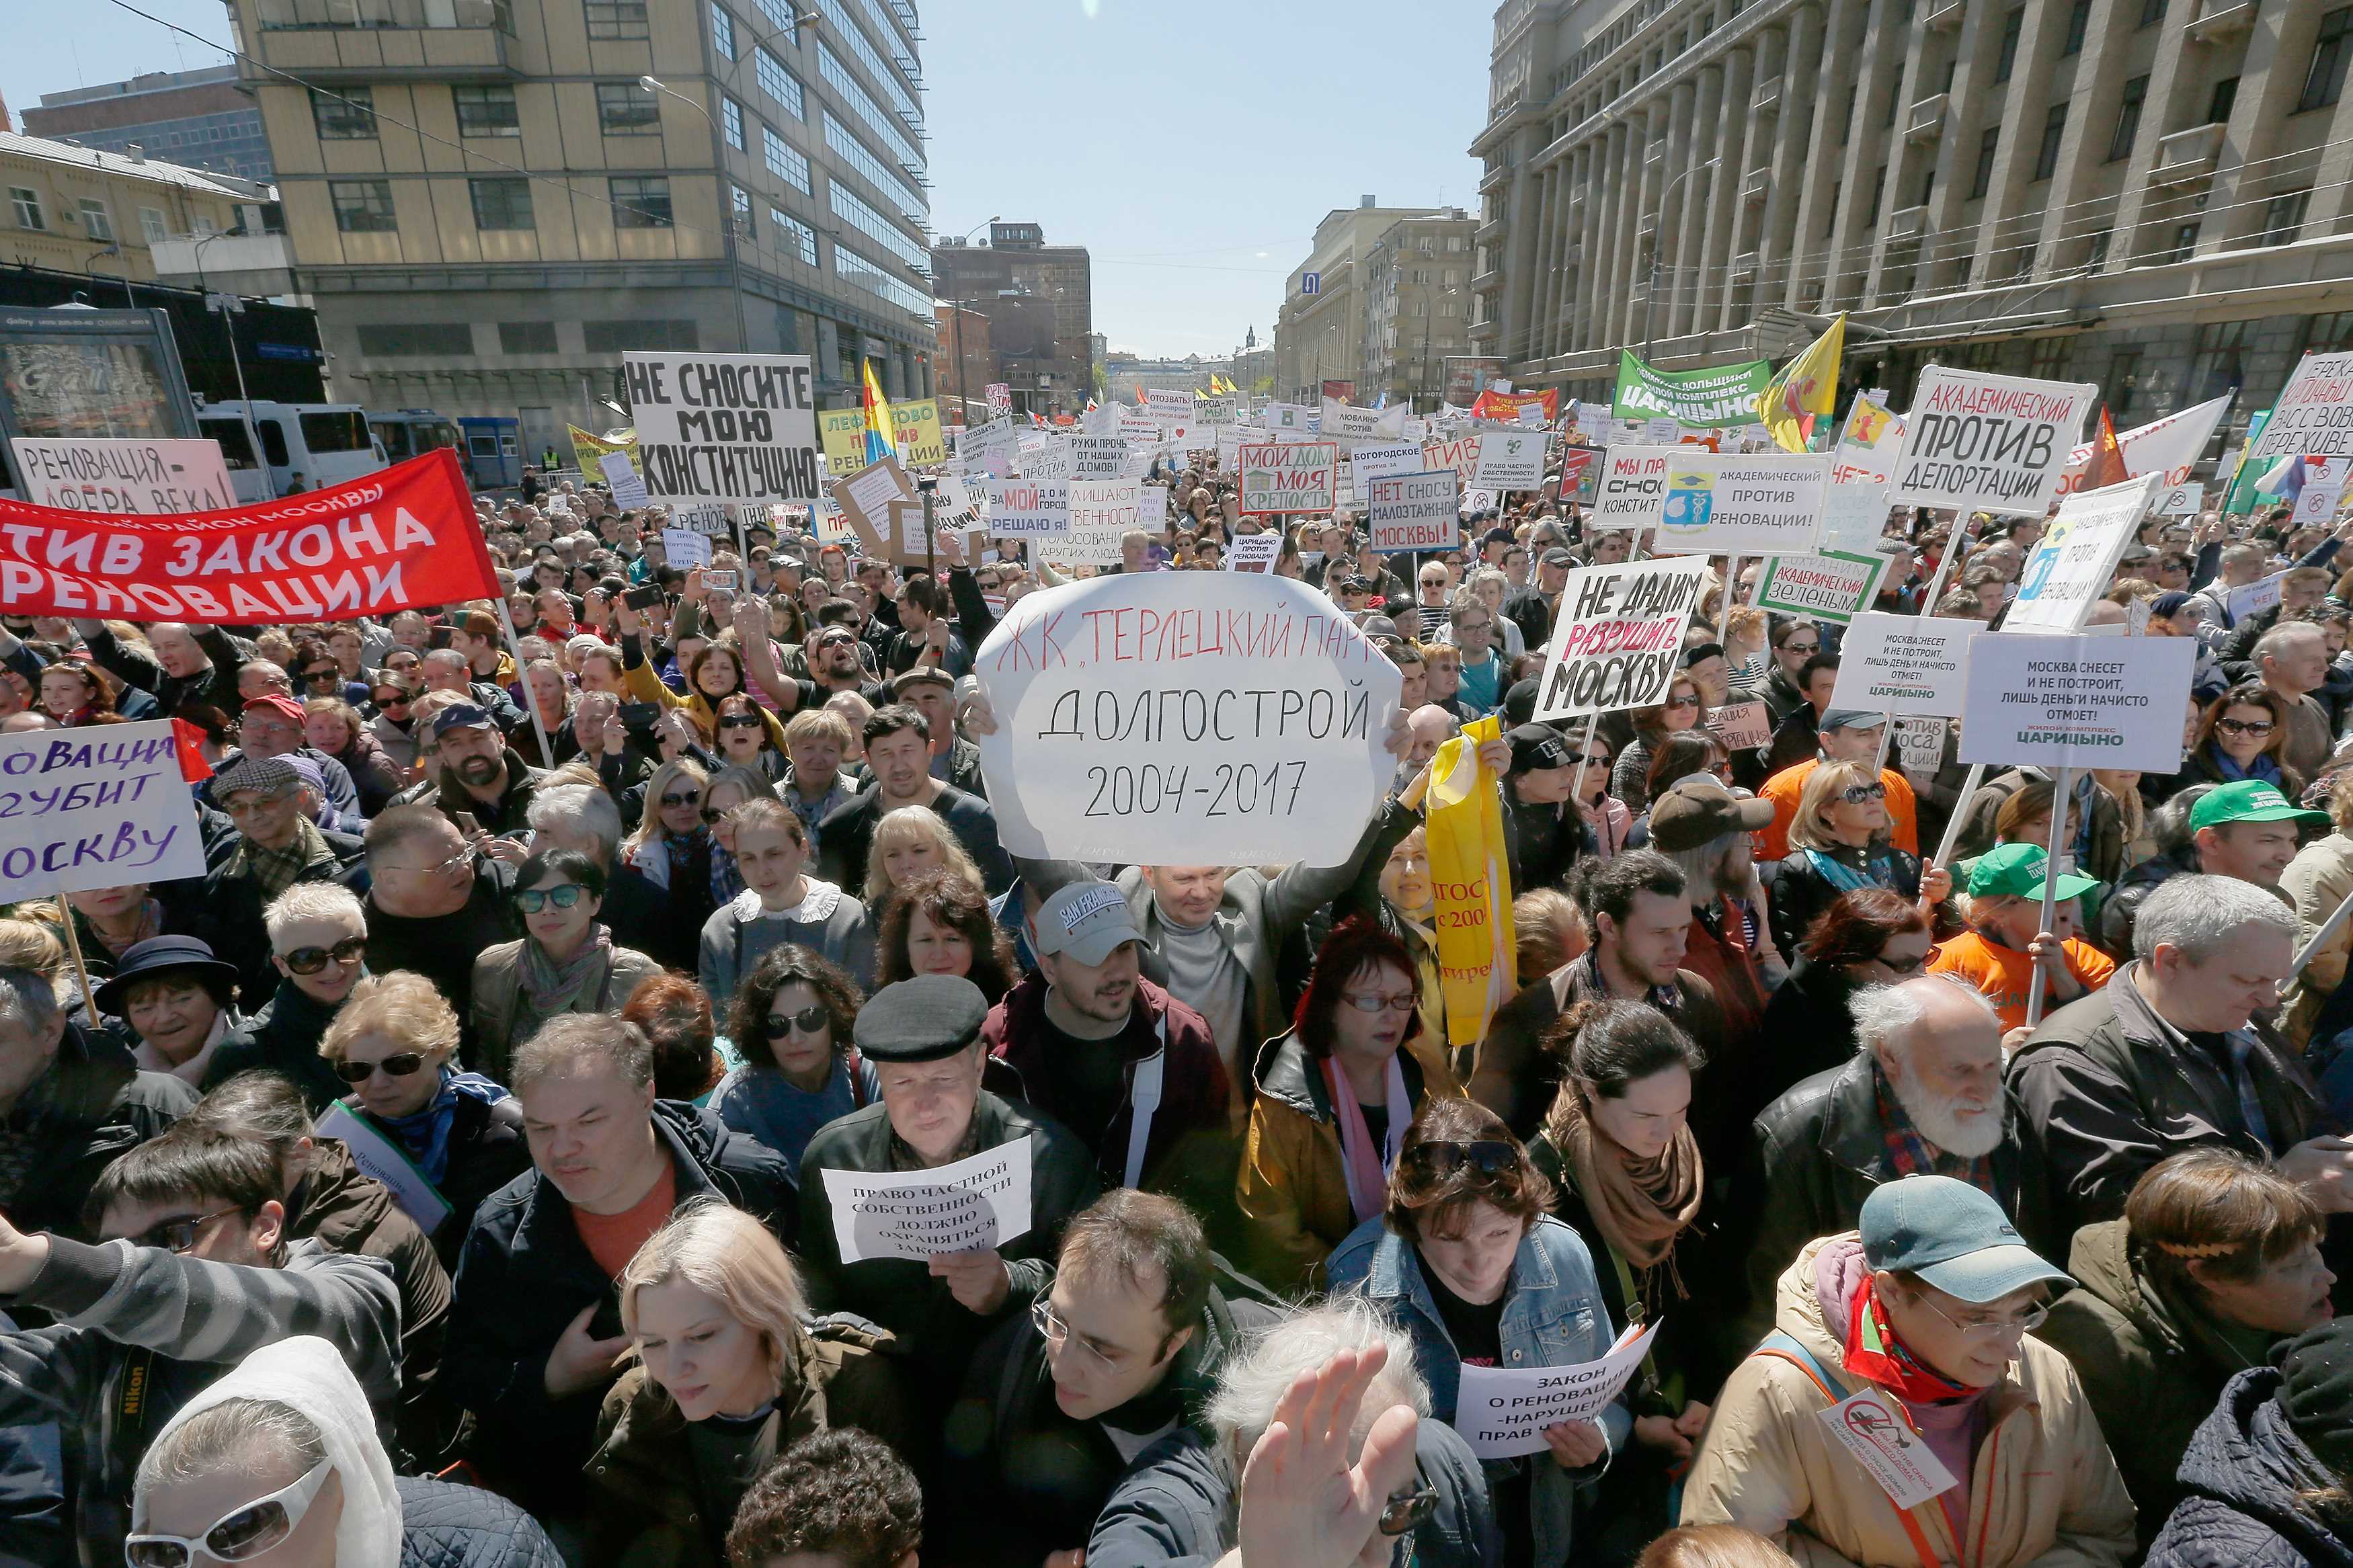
x,y
1493,404
399,539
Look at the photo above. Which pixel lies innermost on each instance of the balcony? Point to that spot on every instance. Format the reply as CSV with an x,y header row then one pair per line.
x,y
1943,16
2213,19
1487,282
1906,224
1745,267
2186,156
1488,232
331,41
1767,98
1926,121
1755,185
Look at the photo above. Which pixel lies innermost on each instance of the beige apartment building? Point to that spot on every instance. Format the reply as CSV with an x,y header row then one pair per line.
x,y
77,209
1320,331
2150,194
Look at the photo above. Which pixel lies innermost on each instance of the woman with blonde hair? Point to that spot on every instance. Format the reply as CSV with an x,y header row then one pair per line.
x,y
729,1372
1839,844
907,843
672,847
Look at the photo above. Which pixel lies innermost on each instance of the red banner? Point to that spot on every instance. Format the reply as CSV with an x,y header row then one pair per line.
x,y
399,539
1507,405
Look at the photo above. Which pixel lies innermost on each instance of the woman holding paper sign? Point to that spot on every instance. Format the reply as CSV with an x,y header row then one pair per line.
x,y
1466,1260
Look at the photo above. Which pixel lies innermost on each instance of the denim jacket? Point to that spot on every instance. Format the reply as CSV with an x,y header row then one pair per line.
x,y
1552,1316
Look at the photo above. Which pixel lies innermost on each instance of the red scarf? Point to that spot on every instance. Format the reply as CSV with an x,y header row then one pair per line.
x,y
1873,1352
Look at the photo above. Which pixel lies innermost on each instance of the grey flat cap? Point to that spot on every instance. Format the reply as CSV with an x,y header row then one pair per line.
x,y
921,1020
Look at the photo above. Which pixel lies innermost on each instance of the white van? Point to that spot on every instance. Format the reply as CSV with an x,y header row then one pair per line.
x,y
326,443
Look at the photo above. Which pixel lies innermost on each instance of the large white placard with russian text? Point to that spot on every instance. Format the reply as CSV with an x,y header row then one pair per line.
x,y
1617,638
102,806
1989,443
2078,702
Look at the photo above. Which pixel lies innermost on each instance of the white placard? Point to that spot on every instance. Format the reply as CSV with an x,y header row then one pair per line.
x,y
1096,457
1459,453
2312,415
1101,512
95,808
1725,503
148,479
2180,500
1347,425
1510,459
1378,462
2253,598
685,549
1502,1412
2166,446
725,428
2077,554
1905,664
629,486
1000,399
1618,639
1661,432
1029,508
1253,552
1414,511
970,1205
1152,508
1170,407
2317,503
387,1163
1185,718
1742,726
2078,702
1989,443
1289,476
1920,745
1883,1442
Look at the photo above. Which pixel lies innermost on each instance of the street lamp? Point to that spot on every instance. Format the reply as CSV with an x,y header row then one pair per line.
x,y
229,305
1650,306
719,156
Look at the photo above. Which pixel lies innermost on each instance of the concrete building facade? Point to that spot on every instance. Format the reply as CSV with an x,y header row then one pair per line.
x,y
1416,301
200,119
967,364
489,205
2150,194
74,209
1319,333
1039,301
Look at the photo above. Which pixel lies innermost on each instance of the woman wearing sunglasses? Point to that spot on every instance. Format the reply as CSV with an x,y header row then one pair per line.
x,y
1466,1260
278,1464
1839,844
318,944
392,723
2243,735
393,1049
1627,1175
671,847
743,738
565,963
1684,709
790,1023
1334,1099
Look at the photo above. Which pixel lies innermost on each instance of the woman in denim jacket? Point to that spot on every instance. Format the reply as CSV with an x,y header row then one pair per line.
x,y
1468,1264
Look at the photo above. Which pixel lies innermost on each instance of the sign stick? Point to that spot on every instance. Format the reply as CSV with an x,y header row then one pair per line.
x,y
2062,781
2320,937
1731,587
81,972
538,725
1975,777
1576,785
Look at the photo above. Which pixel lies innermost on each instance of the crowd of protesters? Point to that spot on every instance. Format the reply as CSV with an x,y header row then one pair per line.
x,y
442,1177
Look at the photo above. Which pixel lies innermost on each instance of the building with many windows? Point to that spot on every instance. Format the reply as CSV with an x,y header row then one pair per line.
x,y
490,200
2151,194
1321,332
1039,301
103,216
1417,301
200,119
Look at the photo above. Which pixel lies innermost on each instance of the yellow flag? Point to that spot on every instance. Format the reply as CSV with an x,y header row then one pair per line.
x,y
1807,385
1472,878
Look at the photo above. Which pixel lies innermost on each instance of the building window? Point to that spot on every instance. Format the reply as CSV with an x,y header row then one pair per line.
x,y
2079,17
389,340
2283,216
624,108
618,19
785,160
486,112
781,17
2050,360
502,204
363,206
739,202
2055,131
347,116
97,223
1829,215
798,237
2325,82
2129,108
2225,98
526,337
2007,60
1878,193
1982,181
152,227
779,83
619,337
2099,255
2185,243
2152,12
640,201
723,32
731,120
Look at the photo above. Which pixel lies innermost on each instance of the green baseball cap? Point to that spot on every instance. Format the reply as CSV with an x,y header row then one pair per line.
x,y
2247,800
2017,872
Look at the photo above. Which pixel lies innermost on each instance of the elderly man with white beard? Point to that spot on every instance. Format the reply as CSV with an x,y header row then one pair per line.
x,y
1921,1097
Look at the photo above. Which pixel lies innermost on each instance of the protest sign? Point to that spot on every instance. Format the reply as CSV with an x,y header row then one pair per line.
x,y
1718,504
394,540
2168,446
1501,403
967,1205
1632,489
1618,639
2180,500
1380,461
152,478
684,548
1509,460
1000,399
958,507
1920,745
387,1163
842,433
1459,453
1215,410
1833,585
725,428
865,500
1253,553
1880,1441
2253,598
1285,416
1294,476
1029,508
2075,558
915,430
2078,702
1151,509
1502,1412
2314,414
96,807
1414,511
1987,443
1097,457
832,528
1905,664
989,448
1347,425
1050,459
1101,512
1707,399
1169,406
1742,726
629,486
1185,718
2317,503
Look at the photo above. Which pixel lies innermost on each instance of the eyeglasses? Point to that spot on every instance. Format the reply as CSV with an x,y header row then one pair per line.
x,y
1487,1156
2025,1322
1681,702
1405,1512
1899,966
1802,648
399,1066
689,797
807,1021
739,721
242,1533
1365,1003
462,857
179,1234
563,895
1056,1331
311,960
1856,794
2243,726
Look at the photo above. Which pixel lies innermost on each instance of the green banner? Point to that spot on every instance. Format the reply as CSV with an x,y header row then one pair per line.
x,y
2239,487
1708,399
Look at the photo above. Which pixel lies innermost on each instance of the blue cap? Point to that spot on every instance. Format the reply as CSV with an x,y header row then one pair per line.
x,y
461,716
1952,1235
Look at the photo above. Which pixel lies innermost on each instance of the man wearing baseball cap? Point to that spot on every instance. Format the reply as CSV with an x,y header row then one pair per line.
x,y
1995,955
1703,820
480,774
1842,735
1543,833
1125,1066
2244,829
1958,1437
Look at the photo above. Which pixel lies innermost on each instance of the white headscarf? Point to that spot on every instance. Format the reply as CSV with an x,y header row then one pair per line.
x,y
305,1374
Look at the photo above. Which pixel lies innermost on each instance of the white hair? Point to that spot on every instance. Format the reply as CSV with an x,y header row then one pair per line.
x,y
584,805
1251,1382
313,901
1884,1016
28,999
2198,914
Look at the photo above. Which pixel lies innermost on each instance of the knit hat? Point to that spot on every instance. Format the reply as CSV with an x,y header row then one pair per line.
x,y
2316,1391
2164,606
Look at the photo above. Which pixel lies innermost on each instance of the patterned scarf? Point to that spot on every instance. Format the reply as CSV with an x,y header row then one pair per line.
x,y
552,988
277,869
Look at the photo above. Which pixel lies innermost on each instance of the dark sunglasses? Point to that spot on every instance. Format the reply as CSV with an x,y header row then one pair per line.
x,y
692,797
1405,1512
807,1021
531,901
311,960
399,1066
739,721
391,699
1487,1156
324,672
713,812
1855,794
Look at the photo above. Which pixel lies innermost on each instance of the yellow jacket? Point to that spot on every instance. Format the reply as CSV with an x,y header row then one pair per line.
x,y
647,687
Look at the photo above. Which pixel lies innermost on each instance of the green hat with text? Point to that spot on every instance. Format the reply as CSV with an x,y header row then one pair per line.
x,y
2017,872
2247,800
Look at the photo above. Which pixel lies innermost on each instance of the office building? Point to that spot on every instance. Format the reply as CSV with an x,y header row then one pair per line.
x,y
199,119
1126,373
1417,301
967,364
1320,331
489,205
1039,301
2149,194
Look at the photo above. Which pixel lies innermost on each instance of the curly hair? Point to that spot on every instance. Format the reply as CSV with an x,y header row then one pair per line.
x,y
841,1494
951,901
747,1017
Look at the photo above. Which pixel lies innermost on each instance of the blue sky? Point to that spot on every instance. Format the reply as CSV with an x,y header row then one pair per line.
x,y
1191,147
